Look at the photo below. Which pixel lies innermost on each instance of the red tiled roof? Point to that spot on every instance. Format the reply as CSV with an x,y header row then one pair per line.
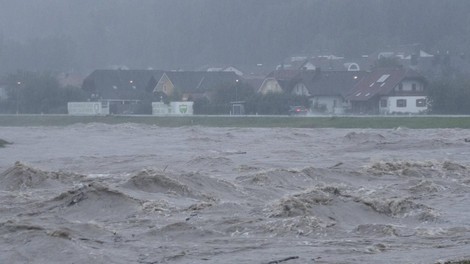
x,y
379,82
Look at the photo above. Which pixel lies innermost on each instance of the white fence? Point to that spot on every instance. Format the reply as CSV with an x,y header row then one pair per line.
x,y
88,108
174,108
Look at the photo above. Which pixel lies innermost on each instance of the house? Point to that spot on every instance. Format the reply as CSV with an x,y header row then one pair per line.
x,y
432,66
190,85
258,69
296,63
324,62
278,81
327,90
225,69
389,91
254,82
74,79
124,90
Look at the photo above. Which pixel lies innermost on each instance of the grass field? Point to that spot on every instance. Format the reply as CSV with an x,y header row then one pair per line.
x,y
246,121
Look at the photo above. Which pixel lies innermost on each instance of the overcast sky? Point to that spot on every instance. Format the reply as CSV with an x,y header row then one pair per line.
x,y
167,34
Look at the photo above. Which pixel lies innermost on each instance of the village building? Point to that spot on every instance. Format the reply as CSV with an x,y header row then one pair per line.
x,y
327,90
123,91
389,91
192,85
278,81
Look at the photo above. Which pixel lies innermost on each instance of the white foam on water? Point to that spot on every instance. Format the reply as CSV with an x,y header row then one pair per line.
x,y
97,193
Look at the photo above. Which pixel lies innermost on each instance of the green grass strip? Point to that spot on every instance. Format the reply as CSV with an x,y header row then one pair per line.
x,y
246,121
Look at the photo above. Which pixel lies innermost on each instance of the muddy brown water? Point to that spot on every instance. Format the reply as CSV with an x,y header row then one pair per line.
x,y
96,193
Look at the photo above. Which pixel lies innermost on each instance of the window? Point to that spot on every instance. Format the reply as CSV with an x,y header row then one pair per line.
x,y
420,102
383,103
401,103
413,87
400,87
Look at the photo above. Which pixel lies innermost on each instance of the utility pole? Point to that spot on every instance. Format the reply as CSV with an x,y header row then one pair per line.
x,y
236,90
18,97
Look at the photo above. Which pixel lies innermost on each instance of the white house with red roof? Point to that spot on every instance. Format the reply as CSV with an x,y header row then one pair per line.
x,y
389,91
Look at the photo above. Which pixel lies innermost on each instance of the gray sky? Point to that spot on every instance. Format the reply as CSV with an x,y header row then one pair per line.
x,y
168,34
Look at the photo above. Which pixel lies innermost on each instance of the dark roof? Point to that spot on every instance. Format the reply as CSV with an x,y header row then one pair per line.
x,y
330,83
121,84
284,74
286,78
254,81
199,81
256,69
381,81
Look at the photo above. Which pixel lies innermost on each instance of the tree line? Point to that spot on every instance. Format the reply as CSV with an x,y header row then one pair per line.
x,y
37,93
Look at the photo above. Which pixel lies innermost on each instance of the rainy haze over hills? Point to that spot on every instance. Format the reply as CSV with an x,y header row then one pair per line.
x,y
52,35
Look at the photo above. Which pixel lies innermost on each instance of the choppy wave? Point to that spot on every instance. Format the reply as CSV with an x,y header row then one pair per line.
x,y
239,203
304,205
21,177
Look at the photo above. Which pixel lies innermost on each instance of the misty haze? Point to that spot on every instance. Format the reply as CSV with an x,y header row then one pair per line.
x,y
87,35
234,131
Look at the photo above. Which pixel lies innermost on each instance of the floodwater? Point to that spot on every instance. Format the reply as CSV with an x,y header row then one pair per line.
x,y
128,193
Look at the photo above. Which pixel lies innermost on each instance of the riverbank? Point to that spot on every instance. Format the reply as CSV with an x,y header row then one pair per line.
x,y
246,121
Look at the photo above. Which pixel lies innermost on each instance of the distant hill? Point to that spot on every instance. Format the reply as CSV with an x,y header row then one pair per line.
x,y
167,34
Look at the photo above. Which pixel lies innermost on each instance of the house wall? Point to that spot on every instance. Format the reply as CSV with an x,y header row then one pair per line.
x,y
407,86
309,66
270,85
365,107
410,108
165,85
331,104
300,89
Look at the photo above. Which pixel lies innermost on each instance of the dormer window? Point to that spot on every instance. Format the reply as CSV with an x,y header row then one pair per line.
x,y
383,78
413,87
400,87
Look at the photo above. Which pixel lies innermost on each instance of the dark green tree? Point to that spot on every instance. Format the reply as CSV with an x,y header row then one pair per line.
x,y
33,93
221,98
450,96
274,103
